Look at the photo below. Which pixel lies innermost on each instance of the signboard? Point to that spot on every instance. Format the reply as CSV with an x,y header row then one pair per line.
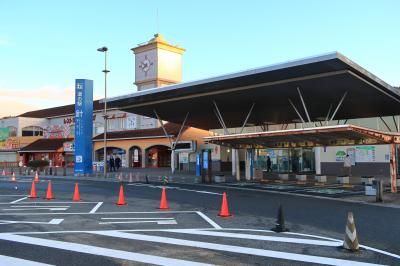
x,y
4,134
205,159
136,155
365,153
183,157
340,155
57,132
83,126
69,146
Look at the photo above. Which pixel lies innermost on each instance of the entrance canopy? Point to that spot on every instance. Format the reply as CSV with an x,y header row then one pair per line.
x,y
310,89
340,135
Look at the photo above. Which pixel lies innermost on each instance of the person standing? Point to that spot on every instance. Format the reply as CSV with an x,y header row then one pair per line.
x,y
112,164
118,162
347,165
269,169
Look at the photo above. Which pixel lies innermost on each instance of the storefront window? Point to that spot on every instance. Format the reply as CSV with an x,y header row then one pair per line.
x,y
286,160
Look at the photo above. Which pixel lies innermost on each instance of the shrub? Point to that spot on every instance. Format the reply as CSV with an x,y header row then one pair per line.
x,y
35,164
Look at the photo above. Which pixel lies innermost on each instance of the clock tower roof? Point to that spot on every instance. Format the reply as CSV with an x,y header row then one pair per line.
x,y
157,41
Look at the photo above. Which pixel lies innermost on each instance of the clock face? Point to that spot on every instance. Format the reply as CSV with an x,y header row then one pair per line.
x,y
145,65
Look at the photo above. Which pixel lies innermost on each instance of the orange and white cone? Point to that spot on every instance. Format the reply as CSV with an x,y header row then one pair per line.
x,y
121,197
77,196
224,212
13,178
36,179
33,194
49,194
163,202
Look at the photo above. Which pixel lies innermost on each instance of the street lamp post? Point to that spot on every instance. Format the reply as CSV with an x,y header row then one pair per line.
x,y
105,71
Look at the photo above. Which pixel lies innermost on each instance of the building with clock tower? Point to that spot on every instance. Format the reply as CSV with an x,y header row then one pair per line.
x,y
157,63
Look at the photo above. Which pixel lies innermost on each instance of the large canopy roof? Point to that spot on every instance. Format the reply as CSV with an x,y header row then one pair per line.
x,y
322,81
341,135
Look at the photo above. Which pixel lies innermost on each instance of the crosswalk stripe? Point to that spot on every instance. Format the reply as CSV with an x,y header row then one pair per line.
x,y
93,250
11,261
259,237
234,249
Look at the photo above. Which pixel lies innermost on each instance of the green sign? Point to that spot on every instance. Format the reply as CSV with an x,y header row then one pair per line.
x,y
4,133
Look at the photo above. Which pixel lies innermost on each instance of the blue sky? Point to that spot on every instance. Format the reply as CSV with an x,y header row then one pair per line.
x,y
46,45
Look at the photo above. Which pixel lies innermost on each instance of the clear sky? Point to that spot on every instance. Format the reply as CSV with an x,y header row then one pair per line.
x,y
46,45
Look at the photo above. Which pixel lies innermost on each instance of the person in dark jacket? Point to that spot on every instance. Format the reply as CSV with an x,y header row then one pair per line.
x,y
112,164
269,169
118,163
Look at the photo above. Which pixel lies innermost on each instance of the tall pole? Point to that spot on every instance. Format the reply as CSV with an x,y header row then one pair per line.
x,y
105,71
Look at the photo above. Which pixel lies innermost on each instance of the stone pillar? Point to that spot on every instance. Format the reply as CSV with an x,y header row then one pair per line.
x,y
393,168
237,164
317,155
172,161
144,158
233,152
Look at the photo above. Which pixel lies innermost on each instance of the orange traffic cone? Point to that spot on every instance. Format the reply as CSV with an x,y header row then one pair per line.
x,y
77,196
33,194
163,202
224,212
13,178
121,198
49,194
36,179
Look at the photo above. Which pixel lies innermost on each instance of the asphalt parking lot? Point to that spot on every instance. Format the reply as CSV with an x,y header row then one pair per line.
x,y
96,231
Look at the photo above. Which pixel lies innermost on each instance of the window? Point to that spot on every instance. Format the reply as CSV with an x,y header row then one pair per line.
x,y
116,123
32,131
13,131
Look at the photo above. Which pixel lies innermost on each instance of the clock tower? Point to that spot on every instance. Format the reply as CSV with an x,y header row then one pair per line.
x,y
157,63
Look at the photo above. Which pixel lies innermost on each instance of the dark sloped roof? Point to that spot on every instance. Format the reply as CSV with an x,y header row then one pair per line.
x,y
60,110
44,145
171,128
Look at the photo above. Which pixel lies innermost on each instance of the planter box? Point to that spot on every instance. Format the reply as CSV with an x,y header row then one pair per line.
x,y
284,176
367,180
320,178
302,178
219,178
342,179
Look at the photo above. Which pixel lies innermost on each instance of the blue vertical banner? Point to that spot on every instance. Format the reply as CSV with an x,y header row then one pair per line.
x,y
83,126
198,164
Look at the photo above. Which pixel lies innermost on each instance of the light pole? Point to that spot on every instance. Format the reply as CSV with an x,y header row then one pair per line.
x,y
105,71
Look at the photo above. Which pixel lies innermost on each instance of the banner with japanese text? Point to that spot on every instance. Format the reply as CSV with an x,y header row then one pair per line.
x,y
83,126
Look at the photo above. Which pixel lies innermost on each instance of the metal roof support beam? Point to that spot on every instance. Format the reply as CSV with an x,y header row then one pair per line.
x,y
395,123
220,118
163,127
247,117
337,108
384,122
180,130
327,115
304,104
297,112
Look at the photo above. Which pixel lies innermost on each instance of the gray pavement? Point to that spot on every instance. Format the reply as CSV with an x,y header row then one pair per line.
x,y
95,231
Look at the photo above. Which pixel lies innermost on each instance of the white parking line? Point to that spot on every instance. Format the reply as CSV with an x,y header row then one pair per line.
x,y
18,200
113,253
234,249
11,261
95,208
135,218
208,220
52,221
171,221
86,213
40,208
260,237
